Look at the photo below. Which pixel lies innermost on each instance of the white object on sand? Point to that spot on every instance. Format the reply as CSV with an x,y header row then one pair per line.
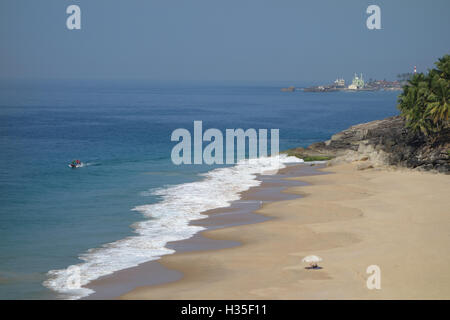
x,y
312,260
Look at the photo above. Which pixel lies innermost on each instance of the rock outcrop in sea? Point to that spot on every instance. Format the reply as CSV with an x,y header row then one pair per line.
x,y
384,142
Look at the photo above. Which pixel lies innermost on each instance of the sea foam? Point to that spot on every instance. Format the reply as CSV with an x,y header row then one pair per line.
x,y
167,220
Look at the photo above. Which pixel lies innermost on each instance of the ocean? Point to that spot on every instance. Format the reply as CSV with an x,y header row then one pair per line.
x,y
129,199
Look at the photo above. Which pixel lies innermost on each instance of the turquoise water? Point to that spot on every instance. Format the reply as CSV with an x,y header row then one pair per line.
x,y
50,214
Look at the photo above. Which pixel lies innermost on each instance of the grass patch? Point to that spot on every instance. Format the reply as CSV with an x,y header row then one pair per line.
x,y
316,158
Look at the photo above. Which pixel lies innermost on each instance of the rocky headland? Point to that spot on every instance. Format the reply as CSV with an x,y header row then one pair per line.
x,y
380,143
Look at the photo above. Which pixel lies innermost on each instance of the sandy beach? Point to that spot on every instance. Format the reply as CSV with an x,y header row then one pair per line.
x,y
397,219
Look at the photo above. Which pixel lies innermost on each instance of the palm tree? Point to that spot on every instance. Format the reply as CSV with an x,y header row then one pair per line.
x,y
412,103
424,101
438,105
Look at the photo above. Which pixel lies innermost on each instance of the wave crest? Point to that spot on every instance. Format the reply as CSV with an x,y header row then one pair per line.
x,y
168,221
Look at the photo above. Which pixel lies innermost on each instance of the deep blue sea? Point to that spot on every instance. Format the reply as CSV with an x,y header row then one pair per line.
x,y
52,215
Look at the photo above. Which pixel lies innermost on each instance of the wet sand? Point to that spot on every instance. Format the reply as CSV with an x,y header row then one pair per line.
x,y
241,212
398,220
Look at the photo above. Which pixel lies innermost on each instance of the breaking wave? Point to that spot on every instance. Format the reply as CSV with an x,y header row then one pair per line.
x,y
167,220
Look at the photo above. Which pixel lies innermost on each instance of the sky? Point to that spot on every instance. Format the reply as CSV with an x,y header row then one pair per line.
x,y
220,40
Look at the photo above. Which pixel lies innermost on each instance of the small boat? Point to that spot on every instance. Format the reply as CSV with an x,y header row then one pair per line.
x,y
76,164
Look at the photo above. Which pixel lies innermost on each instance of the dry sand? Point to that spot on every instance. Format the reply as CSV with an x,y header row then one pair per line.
x,y
396,219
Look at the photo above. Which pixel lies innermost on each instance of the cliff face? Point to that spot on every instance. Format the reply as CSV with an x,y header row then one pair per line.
x,y
384,142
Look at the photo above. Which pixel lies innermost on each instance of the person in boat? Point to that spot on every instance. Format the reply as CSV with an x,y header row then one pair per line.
x,y
75,163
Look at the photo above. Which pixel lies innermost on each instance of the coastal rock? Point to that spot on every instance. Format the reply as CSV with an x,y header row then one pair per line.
x,y
384,142
364,166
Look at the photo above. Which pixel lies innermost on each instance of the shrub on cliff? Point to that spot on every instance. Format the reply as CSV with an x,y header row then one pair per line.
x,y
424,101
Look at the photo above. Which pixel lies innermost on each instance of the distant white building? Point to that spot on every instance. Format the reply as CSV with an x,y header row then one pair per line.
x,y
357,83
339,83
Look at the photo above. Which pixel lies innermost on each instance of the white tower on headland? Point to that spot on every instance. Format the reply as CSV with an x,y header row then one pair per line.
x,y
415,70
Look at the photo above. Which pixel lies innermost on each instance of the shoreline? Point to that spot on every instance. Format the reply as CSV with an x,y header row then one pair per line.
x,y
375,144
240,212
352,219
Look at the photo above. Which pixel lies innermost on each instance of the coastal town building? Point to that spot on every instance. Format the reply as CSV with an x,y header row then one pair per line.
x,y
357,83
339,83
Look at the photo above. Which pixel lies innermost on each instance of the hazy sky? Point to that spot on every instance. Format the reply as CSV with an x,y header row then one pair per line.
x,y
204,40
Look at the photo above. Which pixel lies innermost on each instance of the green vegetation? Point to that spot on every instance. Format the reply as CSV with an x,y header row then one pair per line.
x,y
316,158
294,153
424,101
